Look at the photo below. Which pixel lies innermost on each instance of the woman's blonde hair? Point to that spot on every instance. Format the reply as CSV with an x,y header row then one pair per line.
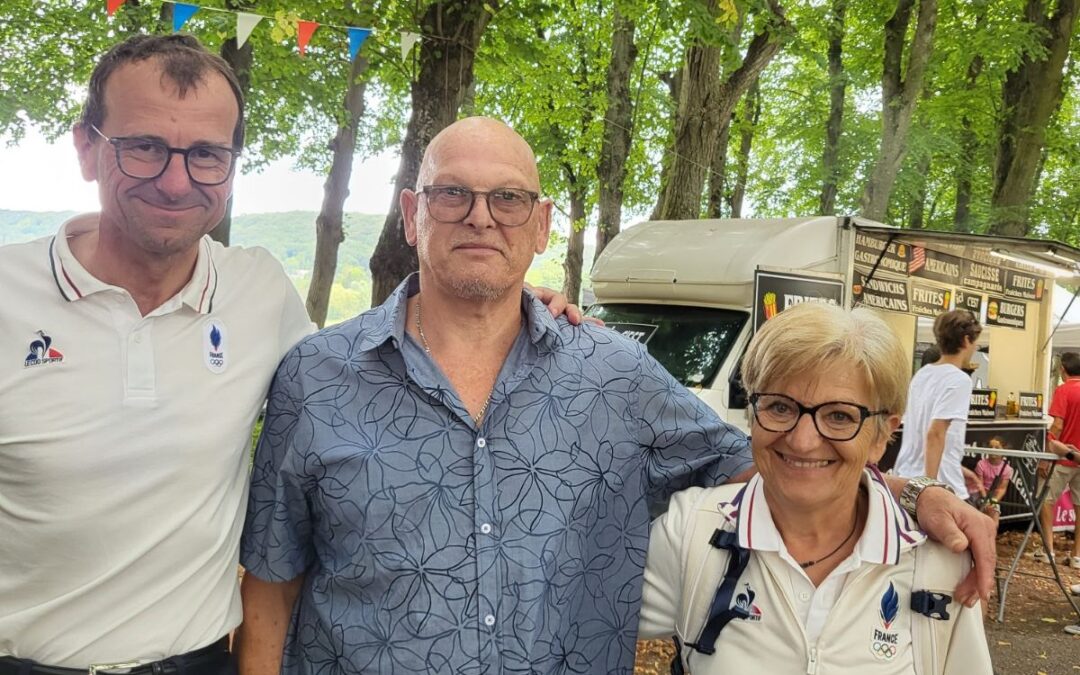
x,y
813,338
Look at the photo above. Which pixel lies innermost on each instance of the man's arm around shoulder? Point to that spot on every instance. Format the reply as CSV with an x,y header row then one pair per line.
x,y
268,608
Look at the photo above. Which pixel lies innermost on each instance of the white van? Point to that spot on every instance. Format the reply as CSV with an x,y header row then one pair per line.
x,y
692,291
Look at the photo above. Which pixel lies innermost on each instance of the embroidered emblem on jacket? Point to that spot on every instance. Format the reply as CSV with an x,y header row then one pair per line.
x,y
42,352
886,642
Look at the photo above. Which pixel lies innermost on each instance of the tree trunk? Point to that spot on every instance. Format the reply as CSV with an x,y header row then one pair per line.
x,y
674,81
830,159
615,147
329,232
703,102
750,116
452,31
239,59
1030,95
969,142
717,177
900,91
718,172
575,245
917,214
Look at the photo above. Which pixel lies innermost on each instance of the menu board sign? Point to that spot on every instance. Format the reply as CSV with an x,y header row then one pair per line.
x,y
881,293
972,302
983,404
1023,286
773,293
983,277
1031,405
1007,313
929,300
868,248
936,266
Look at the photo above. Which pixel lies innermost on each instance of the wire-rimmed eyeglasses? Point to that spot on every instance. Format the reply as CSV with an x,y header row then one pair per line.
x,y
147,158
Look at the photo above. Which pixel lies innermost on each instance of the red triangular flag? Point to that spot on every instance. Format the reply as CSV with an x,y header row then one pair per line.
x,y
304,31
113,5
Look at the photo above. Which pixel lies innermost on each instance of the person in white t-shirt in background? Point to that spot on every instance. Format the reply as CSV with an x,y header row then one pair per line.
x,y
938,399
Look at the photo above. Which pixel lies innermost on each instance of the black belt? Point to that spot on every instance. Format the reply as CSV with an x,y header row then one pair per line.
x,y
209,656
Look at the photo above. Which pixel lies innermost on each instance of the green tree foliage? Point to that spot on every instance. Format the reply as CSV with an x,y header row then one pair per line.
x,y
543,66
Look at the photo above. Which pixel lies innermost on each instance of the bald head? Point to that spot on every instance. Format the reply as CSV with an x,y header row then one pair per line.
x,y
469,253
481,137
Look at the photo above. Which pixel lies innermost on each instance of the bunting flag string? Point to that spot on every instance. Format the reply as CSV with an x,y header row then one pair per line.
x,y
246,23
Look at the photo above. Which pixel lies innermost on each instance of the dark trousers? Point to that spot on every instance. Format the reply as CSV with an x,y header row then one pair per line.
x,y
212,660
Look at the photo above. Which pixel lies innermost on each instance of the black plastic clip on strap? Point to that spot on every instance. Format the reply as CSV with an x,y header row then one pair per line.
x,y
931,604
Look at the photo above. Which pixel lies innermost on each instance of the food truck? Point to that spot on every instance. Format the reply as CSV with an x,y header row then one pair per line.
x,y
695,291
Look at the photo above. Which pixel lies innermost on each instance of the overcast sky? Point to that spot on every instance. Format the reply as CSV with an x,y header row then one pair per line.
x,y
38,176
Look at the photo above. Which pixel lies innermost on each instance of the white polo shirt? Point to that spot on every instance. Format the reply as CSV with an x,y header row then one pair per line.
x,y
124,448
857,620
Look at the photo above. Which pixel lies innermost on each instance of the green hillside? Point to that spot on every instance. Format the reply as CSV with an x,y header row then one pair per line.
x,y
290,236
16,226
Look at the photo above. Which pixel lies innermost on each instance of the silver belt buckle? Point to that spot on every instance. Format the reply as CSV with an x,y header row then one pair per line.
x,y
96,668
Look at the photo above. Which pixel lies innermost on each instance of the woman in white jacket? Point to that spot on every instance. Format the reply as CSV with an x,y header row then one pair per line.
x,y
811,566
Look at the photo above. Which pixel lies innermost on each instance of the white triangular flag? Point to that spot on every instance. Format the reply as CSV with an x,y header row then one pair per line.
x,y
245,23
407,42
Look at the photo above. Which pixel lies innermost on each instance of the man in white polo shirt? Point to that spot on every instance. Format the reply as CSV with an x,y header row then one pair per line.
x,y
136,356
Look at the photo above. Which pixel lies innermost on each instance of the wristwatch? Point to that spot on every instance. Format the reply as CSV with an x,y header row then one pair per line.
x,y
909,496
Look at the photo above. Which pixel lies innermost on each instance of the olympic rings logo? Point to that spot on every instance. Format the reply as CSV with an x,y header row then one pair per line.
x,y
884,650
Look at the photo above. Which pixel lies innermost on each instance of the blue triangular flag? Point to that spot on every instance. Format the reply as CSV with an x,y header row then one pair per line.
x,y
356,40
181,13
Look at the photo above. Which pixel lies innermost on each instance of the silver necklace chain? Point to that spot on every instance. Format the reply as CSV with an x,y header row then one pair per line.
x,y
478,417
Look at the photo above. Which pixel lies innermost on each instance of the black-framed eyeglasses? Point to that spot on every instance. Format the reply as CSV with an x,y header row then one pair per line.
x,y
834,420
147,158
510,207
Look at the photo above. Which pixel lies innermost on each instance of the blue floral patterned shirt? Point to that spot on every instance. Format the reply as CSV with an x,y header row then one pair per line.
x,y
429,545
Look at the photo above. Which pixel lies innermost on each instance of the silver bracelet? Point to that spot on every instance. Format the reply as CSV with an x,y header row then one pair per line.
x,y
909,496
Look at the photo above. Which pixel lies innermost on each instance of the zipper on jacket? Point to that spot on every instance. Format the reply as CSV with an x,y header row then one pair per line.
x,y
811,664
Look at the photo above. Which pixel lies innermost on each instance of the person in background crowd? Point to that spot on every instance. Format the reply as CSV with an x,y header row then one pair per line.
x,y
994,474
939,396
930,355
1065,410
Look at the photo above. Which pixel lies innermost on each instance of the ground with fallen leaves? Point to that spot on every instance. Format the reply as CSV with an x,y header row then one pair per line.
x,y
1029,642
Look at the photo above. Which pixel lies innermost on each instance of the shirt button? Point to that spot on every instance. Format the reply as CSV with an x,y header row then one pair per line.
x,y
804,596
481,443
486,528
138,339
489,620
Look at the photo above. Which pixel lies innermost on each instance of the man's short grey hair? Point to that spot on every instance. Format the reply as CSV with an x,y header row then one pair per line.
x,y
814,338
